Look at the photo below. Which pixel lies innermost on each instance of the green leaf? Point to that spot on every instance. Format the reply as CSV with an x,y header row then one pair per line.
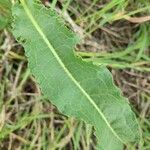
x,y
78,89
5,13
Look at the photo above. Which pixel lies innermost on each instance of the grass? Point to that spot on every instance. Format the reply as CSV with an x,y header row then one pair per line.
x,y
109,36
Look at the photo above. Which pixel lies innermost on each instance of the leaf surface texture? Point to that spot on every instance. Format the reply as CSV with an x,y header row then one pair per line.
x,y
77,88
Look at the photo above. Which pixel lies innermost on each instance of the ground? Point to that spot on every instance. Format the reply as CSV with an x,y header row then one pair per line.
x,y
112,32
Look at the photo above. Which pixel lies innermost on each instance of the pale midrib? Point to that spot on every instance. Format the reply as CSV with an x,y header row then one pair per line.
x,y
64,68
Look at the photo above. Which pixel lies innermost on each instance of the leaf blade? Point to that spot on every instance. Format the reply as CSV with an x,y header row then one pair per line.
x,y
61,60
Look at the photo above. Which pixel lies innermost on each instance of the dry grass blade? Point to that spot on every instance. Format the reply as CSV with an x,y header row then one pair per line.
x,y
138,19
